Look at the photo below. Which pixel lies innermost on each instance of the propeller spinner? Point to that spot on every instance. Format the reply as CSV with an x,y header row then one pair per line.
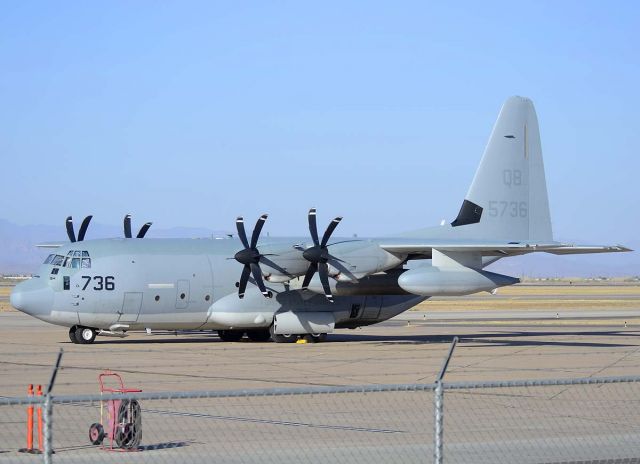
x,y
318,255
250,256
127,228
81,233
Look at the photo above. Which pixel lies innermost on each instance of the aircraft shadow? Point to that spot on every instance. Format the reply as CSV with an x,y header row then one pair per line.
x,y
503,338
499,338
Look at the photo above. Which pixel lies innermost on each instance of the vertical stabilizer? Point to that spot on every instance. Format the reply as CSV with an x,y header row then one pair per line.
x,y
507,199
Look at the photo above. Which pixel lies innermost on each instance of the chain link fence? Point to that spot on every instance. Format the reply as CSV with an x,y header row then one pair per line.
x,y
594,420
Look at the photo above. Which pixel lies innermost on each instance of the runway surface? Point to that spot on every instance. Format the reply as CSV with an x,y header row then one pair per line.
x,y
498,345
547,424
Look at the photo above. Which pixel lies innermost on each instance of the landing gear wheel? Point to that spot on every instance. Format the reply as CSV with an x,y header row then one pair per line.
x,y
259,335
72,334
230,335
85,335
96,434
129,428
282,338
315,338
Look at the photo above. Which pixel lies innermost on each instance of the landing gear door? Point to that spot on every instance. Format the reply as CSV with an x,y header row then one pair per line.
x,y
182,295
372,304
131,307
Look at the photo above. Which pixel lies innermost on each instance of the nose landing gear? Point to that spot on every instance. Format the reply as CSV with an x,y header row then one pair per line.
x,y
82,335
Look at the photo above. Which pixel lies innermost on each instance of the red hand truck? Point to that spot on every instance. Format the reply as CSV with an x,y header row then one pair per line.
x,y
122,419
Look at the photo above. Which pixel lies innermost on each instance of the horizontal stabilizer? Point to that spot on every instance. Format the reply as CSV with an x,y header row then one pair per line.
x,y
584,249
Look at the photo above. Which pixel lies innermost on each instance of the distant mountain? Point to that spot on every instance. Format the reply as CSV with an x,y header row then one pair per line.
x,y
19,255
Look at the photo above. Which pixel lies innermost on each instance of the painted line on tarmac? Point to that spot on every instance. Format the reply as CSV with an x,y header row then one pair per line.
x,y
270,421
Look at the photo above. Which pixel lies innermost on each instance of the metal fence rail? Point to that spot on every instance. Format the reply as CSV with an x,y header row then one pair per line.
x,y
554,420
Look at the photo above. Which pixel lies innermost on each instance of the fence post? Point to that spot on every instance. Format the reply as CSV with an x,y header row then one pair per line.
x,y
48,427
48,412
438,409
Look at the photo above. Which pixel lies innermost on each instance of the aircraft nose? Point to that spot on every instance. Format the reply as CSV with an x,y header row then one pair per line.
x,y
32,298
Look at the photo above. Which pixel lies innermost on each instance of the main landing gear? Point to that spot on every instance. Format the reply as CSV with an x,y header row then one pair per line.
x,y
82,335
263,335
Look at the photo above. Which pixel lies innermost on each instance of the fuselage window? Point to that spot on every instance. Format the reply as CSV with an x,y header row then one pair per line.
x,y
57,260
49,259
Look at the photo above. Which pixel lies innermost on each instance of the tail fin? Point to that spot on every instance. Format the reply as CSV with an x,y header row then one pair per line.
x,y
508,199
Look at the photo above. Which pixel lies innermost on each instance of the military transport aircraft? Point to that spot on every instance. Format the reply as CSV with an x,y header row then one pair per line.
x,y
284,289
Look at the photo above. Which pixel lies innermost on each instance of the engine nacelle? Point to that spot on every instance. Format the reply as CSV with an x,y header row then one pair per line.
x,y
383,283
303,322
451,281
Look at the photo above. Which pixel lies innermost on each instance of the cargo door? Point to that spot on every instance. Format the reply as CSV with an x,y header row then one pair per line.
x,y
372,304
182,295
131,307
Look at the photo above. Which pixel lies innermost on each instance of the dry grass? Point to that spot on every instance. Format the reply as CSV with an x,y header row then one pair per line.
x,y
542,297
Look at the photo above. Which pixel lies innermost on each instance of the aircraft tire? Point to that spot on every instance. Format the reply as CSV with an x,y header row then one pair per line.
x,y
259,335
230,335
72,334
85,335
315,338
282,338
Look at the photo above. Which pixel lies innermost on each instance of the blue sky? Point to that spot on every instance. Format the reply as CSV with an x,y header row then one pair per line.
x,y
190,113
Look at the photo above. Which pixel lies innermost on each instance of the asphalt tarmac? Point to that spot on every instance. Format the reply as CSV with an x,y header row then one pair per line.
x,y
483,426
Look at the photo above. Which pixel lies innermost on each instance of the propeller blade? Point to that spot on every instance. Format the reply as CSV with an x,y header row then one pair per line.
x,y
127,226
241,233
83,228
313,227
257,229
244,278
257,276
70,232
313,267
143,230
330,228
323,270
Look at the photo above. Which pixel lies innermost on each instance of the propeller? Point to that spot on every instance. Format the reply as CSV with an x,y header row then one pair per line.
x,y
81,233
318,255
127,228
250,256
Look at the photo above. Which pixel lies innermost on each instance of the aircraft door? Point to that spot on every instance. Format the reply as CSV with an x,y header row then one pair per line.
x,y
182,295
131,307
372,304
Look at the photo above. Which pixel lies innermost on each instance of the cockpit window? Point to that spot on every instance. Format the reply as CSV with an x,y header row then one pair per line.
x,y
57,260
49,259
76,259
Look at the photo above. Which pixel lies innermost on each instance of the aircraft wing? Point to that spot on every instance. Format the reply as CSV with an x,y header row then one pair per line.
x,y
51,244
424,247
